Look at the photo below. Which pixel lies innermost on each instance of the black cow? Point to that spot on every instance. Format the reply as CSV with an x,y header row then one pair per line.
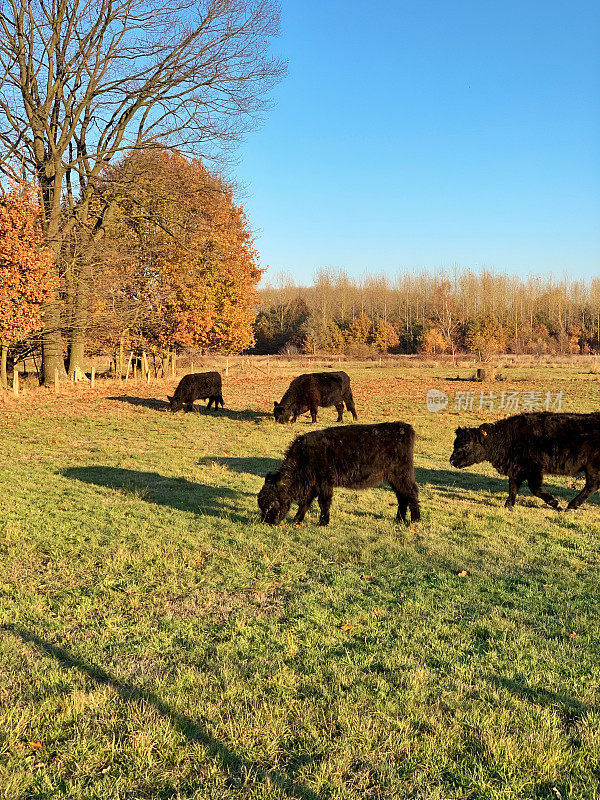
x,y
308,392
352,456
197,386
527,446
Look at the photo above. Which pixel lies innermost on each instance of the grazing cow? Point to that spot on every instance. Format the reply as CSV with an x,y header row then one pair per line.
x,y
352,456
197,386
527,446
308,392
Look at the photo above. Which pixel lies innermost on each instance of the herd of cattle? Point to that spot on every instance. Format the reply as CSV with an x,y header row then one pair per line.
x,y
524,447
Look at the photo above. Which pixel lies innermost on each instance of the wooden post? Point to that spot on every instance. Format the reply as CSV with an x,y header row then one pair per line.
x,y
148,376
145,366
227,367
135,370
56,380
379,360
15,382
173,357
93,376
268,365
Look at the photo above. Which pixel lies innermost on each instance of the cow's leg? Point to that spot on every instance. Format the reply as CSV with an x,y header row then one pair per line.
x,y
350,404
220,400
534,481
325,496
514,484
188,407
408,497
592,484
313,413
210,400
304,504
415,508
339,407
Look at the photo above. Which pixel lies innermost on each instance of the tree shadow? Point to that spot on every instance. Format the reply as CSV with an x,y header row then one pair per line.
x,y
252,466
235,766
179,493
569,708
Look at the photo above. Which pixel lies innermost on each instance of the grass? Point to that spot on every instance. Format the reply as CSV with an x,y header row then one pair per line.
x,y
157,641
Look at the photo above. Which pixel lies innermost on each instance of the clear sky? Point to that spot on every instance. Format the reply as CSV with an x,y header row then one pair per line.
x,y
430,134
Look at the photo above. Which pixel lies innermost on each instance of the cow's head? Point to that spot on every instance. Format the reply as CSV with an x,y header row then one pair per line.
x,y
470,446
282,413
273,500
174,403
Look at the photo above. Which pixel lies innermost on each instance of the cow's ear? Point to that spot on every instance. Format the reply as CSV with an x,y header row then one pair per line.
x,y
485,428
275,404
170,399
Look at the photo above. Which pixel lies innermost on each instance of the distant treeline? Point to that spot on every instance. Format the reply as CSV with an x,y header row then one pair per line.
x,y
482,313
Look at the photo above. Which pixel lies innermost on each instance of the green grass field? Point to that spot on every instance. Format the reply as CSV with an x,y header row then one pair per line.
x,y
158,641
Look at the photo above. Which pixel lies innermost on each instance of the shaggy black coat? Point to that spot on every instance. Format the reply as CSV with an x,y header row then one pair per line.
x,y
352,456
527,446
197,386
308,392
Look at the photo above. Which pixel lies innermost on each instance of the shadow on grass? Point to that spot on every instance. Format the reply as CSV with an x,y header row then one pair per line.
x,y
235,766
178,493
163,405
473,482
146,402
252,466
570,709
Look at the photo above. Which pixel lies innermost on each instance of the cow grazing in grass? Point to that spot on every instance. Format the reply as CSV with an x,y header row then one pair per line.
x,y
527,446
352,456
197,386
308,392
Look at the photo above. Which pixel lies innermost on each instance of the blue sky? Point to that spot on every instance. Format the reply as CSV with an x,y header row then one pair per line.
x,y
430,134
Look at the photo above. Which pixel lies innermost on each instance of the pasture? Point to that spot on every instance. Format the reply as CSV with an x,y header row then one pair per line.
x,y
157,641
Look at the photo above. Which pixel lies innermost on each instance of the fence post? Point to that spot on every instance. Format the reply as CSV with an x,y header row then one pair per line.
x,y
15,381
56,380
93,376
135,370
227,366
268,365
173,357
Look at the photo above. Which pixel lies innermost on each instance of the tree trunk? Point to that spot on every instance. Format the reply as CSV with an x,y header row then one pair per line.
x,y
80,314
52,345
3,359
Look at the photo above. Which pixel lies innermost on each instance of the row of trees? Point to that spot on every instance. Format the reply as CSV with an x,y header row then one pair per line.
x,y
90,91
482,313
175,266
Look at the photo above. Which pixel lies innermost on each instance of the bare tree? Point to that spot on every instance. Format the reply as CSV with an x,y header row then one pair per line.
x,y
84,80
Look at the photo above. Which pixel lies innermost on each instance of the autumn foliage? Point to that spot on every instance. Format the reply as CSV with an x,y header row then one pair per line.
x,y
27,278
179,266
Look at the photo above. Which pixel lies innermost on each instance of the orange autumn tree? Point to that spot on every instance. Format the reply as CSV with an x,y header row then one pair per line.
x,y
188,267
26,276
